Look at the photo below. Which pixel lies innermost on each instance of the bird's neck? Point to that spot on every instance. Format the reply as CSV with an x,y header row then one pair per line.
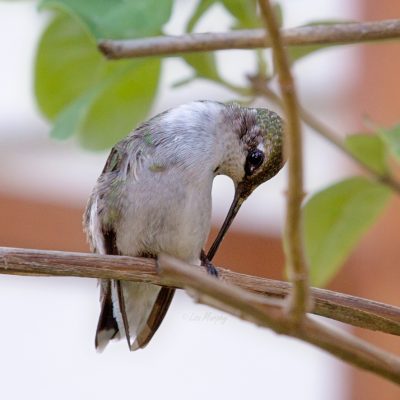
x,y
205,139
229,158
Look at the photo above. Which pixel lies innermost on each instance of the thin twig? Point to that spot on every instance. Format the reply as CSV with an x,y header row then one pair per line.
x,y
251,39
251,307
342,307
296,263
260,87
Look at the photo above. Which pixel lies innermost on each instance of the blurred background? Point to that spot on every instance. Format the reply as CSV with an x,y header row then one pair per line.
x,y
48,324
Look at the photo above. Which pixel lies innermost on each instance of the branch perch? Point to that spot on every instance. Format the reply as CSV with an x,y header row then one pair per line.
x,y
253,308
341,307
251,39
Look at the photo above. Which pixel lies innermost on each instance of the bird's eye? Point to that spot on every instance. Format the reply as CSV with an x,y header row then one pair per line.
x,y
253,161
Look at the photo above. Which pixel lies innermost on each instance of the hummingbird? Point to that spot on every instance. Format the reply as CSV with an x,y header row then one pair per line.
x,y
154,196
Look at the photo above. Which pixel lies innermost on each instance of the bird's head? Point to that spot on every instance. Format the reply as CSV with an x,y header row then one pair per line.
x,y
263,146
261,138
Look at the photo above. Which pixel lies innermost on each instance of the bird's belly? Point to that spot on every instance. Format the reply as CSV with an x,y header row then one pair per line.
x,y
176,222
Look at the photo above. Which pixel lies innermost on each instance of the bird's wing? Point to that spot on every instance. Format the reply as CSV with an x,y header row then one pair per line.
x,y
134,310
107,326
102,239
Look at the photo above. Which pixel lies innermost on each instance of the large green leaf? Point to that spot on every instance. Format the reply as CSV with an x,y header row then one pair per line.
x,y
370,149
392,139
69,120
334,221
67,65
122,105
117,19
99,100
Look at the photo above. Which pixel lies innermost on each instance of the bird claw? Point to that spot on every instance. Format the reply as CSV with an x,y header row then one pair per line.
x,y
211,270
209,266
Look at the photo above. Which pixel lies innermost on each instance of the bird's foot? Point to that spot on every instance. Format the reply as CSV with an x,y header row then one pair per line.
x,y
209,266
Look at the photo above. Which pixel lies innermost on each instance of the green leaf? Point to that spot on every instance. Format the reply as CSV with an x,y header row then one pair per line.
x,y
370,149
183,82
245,12
198,13
204,64
117,19
66,66
392,139
122,104
69,120
297,52
98,100
334,221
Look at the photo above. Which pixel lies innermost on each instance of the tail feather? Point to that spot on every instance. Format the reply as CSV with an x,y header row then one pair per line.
x,y
156,316
139,310
122,308
107,326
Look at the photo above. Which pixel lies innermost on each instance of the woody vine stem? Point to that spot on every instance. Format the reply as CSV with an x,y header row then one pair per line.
x,y
297,267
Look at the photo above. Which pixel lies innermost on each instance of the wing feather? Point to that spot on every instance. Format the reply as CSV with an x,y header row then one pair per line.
x,y
133,310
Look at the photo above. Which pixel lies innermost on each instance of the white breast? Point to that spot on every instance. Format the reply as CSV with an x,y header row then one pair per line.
x,y
166,214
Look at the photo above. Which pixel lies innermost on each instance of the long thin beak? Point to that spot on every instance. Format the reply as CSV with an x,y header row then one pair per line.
x,y
240,196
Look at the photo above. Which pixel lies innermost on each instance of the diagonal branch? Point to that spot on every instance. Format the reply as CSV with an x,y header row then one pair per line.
x,y
296,264
253,308
251,39
341,307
